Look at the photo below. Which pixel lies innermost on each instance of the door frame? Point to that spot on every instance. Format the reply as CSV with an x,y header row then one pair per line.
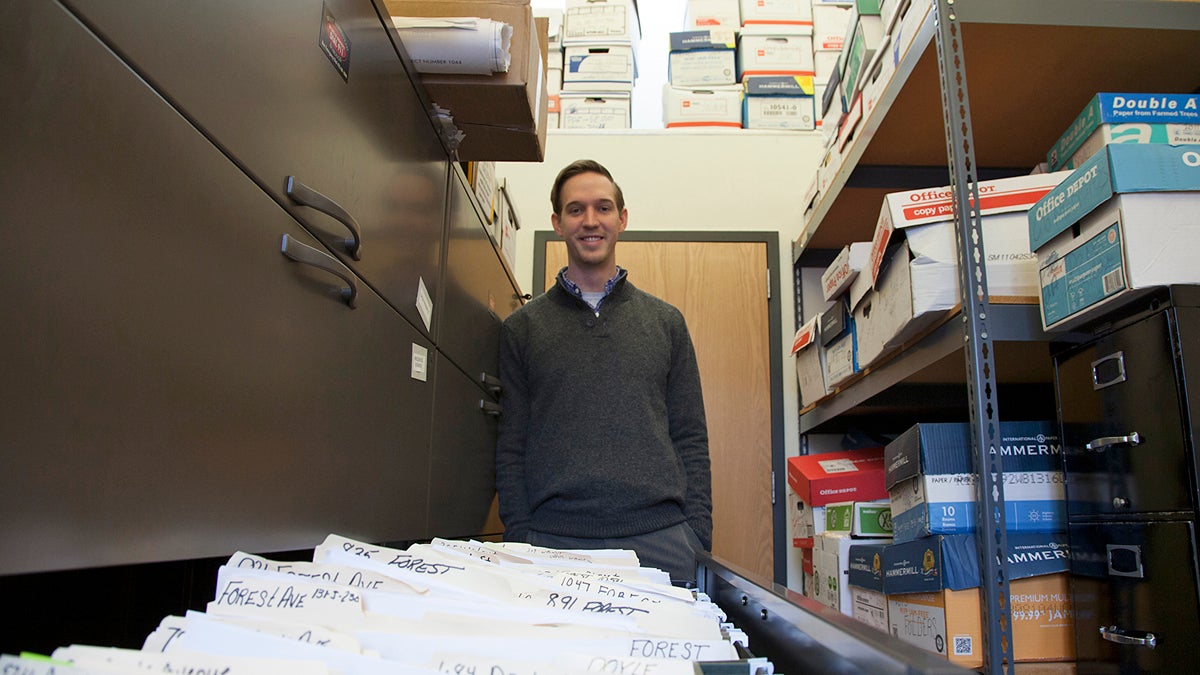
x,y
775,328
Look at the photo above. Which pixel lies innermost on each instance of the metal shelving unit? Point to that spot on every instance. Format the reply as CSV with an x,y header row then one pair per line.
x,y
1051,56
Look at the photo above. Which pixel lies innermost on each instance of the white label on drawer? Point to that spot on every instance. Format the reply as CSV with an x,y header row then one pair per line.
x,y
420,363
424,303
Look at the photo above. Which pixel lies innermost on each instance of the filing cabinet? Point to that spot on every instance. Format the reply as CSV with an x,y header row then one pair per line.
x,y
1131,485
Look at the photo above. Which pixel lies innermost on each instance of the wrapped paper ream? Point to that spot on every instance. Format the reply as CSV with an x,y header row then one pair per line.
x,y
456,45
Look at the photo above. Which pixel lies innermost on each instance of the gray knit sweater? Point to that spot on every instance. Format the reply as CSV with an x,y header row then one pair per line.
x,y
603,432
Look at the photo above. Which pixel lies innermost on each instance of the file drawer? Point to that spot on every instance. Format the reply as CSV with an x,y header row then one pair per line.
x,y
1125,447
1134,587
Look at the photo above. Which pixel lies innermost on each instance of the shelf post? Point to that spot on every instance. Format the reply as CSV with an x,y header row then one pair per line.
x,y
996,615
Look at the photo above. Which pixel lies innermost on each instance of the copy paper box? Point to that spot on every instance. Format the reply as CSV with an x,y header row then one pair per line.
x,y
839,344
864,576
598,68
1134,132
830,25
1120,224
931,479
831,562
933,597
702,107
601,22
810,373
776,12
775,50
860,519
502,115
806,521
705,57
838,476
594,110
725,14
1123,108
778,102
863,39
844,269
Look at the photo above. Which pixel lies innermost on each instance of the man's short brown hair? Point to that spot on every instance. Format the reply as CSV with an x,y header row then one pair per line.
x,y
574,169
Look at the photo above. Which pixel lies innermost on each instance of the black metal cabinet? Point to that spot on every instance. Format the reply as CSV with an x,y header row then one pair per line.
x,y
174,386
477,293
314,90
1127,402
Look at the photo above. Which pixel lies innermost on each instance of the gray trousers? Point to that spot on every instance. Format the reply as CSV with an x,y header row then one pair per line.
x,y
672,549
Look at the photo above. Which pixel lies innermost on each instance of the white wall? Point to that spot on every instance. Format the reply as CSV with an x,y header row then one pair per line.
x,y
674,180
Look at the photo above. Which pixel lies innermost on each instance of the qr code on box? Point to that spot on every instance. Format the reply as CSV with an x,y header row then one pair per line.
x,y
963,645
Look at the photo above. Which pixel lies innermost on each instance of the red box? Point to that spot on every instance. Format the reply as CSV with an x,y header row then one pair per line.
x,y
829,477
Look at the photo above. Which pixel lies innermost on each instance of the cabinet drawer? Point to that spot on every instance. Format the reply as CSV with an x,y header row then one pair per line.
x,y
1124,445
477,294
255,78
1131,582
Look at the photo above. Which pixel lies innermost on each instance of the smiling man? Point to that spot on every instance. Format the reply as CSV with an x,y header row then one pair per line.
x,y
603,441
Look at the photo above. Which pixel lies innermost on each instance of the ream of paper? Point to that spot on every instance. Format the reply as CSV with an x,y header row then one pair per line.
x,y
456,45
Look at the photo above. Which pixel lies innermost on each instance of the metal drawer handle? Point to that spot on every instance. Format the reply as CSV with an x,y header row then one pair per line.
x,y
1103,442
1114,634
303,253
490,408
491,382
1118,376
306,196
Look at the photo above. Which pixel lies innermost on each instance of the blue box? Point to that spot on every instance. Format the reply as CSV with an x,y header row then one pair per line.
x,y
865,569
1119,108
1123,222
931,564
931,478
702,58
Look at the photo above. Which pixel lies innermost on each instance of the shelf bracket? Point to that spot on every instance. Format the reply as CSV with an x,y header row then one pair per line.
x,y
979,352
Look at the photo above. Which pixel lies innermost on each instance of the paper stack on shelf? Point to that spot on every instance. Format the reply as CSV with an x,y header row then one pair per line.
x,y
445,606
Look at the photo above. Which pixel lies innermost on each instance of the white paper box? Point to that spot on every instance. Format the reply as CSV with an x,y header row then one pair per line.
x,y
830,24
713,14
702,58
775,50
601,22
594,110
598,68
810,374
844,269
795,12
702,107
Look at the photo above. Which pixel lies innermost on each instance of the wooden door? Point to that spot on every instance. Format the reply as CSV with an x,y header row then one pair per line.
x,y
721,288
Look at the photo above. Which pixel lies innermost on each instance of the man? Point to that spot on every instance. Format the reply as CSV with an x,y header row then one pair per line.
x,y
603,441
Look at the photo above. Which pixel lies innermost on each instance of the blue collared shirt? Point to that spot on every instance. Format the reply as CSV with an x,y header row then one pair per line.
x,y
578,292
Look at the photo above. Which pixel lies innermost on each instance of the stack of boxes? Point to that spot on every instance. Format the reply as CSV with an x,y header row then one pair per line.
x,y
599,40
834,488
1124,221
922,586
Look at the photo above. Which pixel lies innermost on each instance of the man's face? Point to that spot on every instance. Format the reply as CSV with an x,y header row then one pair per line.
x,y
590,221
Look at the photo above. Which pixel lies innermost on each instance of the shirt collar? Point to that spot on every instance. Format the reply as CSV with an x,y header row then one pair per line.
x,y
575,290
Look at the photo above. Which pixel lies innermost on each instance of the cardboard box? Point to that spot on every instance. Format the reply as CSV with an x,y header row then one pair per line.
x,y
705,57
845,475
503,115
778,102
933,597
599,110
830,26
1122,108
1105,134
844,269
598,68
912,292
601,22
864,576
839,342
775,50
871,519
862,41
931,479
725,14
1122,223
776,12
831,564
554,27
810,373
554,73
702,107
